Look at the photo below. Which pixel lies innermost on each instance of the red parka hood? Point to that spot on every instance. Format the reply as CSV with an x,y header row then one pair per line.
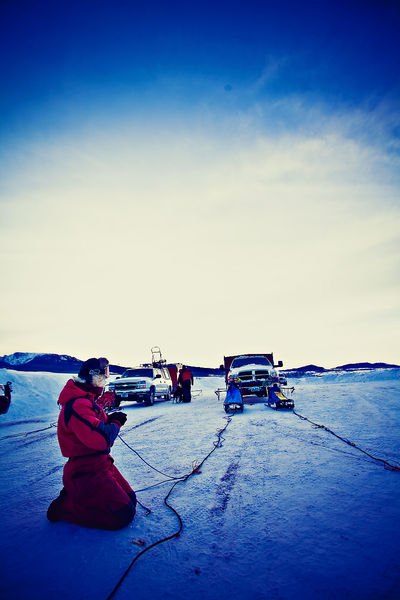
x,y
74,389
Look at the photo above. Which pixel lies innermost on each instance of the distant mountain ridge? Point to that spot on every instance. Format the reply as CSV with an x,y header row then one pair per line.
x,y
363,366
50,363
63,363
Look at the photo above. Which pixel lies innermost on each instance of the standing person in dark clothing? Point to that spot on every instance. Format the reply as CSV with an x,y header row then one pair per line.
x,y
5,400
94,494
185,380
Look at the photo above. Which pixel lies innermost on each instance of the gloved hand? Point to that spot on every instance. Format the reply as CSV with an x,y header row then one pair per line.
x,y
117,417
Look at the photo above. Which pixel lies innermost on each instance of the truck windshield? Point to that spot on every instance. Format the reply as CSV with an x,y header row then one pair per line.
x,y
138,373
241,361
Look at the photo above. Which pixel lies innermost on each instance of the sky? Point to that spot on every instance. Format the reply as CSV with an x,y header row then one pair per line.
x,y
212,178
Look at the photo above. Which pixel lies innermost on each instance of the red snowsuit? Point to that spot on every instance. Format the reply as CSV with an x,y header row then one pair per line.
x,y
185,380
95,493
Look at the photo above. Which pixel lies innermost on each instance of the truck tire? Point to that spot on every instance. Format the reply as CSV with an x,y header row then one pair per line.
x,y
150,399
168,394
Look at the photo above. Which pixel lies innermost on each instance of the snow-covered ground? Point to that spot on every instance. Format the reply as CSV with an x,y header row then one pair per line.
x,y
282,510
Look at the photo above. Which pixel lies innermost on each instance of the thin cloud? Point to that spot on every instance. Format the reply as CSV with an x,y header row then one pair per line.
x,y
202,241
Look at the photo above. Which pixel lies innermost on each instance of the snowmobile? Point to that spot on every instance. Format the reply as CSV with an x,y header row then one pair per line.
x,y
276,399
233,401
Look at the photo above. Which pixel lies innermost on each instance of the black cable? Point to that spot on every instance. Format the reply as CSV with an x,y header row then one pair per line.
x,y
195,469
386,464
153,485
25,433
172,477
148,511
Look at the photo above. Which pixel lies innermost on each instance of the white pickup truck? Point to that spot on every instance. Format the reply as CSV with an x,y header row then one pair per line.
x,y
142,384
253,374
256,378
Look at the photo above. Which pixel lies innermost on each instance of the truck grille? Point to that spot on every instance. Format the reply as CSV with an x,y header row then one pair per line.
x,y
245,375
253,375
122,387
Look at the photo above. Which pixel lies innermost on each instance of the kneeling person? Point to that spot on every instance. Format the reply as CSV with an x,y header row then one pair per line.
x,y
95,494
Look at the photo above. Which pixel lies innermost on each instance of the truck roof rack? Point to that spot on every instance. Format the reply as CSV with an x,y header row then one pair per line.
x,y
156,357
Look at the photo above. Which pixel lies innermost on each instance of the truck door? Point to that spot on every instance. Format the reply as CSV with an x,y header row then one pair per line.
x,y
159,382
165,380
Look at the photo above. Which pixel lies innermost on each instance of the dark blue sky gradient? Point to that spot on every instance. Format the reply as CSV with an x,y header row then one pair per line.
x,y
81,55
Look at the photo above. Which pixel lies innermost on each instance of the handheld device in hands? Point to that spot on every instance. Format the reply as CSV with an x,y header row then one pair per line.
x,y
117,417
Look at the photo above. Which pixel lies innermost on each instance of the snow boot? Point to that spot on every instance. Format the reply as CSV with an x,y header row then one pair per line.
x,y
54,512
